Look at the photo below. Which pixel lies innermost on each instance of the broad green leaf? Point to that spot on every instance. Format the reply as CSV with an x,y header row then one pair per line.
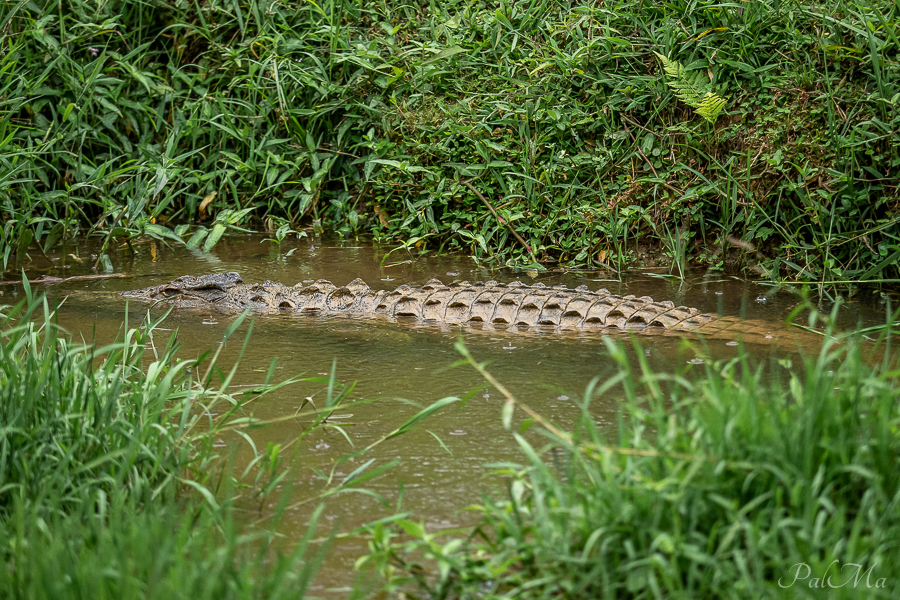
x,y
161,179
440,441
160,231
445,53
24,241
204,491
508,409
424,413
358,476
412,528
196,239
214,236
106,263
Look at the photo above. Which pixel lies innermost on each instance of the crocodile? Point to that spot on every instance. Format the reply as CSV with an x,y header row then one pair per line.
x,y
512,306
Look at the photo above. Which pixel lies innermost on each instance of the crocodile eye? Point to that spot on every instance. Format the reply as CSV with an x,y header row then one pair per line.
x,y
171,291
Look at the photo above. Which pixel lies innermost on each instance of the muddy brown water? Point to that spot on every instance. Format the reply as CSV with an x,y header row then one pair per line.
x,y
391,361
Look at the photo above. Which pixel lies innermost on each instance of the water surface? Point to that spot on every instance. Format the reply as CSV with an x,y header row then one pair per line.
x,y
391,361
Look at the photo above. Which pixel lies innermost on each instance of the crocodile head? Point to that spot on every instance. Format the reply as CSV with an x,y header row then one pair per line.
x,y
189,291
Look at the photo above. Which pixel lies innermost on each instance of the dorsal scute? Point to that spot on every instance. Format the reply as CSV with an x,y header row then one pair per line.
x,y
358,287
340,292
515,284
433,283
319,286
340,299
324,285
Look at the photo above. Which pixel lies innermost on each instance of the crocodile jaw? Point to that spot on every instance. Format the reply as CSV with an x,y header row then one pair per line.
x,y
204,289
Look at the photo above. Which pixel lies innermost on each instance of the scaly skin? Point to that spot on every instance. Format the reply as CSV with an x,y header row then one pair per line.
x,y
512,306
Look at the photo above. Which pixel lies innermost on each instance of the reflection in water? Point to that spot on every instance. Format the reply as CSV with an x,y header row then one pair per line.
x,y
402,365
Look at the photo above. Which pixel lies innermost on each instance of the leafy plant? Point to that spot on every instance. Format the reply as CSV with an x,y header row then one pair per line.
x,y
109,465
367,128
716,483
692,88
112,484
225,220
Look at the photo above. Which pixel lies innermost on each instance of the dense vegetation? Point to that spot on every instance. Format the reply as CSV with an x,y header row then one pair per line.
x,y
114,482
96,447
742,481
391,118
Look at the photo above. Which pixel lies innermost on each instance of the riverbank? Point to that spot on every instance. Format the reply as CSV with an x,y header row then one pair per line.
x,y
546,133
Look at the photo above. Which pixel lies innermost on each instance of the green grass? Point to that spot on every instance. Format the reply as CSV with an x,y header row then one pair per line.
x,y
110,483
120,118
717,484
114,482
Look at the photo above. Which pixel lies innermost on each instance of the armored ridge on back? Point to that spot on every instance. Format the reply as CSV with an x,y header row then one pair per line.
x,y
513,305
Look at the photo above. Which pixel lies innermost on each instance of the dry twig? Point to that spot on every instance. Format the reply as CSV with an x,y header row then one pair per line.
x,y
50,279
503,222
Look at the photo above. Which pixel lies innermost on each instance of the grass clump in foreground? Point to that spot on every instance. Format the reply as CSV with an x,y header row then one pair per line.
x,y
97,450
746,482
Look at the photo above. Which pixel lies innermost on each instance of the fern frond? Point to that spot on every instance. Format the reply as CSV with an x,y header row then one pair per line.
x,y
692,88
710,107
672,68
